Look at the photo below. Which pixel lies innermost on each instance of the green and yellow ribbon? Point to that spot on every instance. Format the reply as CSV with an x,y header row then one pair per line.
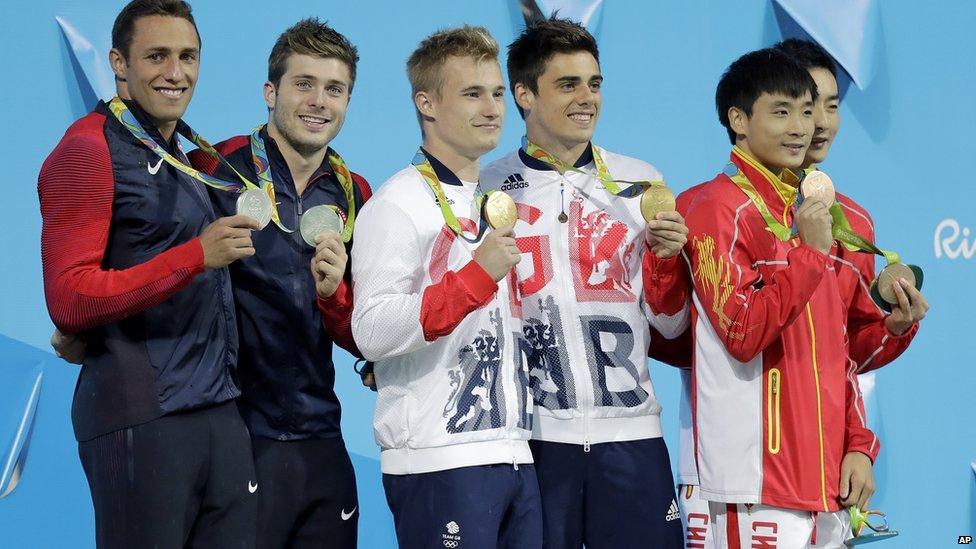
x,y
127,119
633,188
262,166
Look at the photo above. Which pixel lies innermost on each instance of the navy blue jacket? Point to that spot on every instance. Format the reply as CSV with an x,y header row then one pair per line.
x,y
123,265
285,368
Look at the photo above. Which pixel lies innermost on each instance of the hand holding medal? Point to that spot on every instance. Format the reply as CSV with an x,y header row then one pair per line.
x,y
887,291
329,262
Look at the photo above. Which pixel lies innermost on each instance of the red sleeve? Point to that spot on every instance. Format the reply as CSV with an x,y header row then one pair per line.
x,y
666,288
746,318
870,344
337,318
337,310
445,304
858,437
364,188
76,190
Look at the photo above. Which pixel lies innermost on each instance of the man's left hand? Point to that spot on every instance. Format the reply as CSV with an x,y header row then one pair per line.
x,y
856,480
666,235
911,307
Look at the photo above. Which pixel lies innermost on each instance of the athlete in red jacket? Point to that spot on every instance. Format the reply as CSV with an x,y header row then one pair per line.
x,y
773,383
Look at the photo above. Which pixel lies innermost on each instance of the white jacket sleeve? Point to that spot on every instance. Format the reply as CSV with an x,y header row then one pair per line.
x,y
388,277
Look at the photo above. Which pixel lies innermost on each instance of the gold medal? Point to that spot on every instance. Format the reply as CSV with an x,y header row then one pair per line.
x,y
818,186
499,210
889,275
654,200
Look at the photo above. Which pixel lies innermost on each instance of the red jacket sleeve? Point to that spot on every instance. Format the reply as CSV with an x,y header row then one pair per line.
x,y
666,287
76,190
337,309
747,318
870,344
858,437
445,304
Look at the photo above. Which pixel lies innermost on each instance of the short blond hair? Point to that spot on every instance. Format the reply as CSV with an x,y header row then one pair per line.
x,y
425,63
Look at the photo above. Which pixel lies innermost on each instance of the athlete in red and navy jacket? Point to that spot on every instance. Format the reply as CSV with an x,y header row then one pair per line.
x,y
123,265
285,368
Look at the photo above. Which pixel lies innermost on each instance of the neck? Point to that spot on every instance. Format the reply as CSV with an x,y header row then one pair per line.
x,y
301,166
775,170
568,153
463,166
166,129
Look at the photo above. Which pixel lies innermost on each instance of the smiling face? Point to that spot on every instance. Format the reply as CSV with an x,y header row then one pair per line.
x,y
466,114
566,107
778,132
308,105
826,116
161,67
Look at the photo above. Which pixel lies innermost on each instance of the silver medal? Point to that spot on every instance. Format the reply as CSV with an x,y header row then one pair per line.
x,y
317,220
255,204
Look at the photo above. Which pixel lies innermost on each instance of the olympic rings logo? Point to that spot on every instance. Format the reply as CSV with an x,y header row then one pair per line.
x,y
451,544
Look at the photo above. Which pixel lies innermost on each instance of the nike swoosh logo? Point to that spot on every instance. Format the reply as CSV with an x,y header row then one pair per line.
x,y
347,516
153,170
252,487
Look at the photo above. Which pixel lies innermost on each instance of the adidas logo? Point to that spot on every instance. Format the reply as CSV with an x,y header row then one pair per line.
x,y
514,181
673,513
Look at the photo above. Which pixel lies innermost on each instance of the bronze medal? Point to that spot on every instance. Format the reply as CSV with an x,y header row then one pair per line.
x,y
818,186
890,274
654,200
499,210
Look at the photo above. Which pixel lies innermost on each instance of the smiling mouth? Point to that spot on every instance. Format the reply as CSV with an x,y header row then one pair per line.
x,y
171,93
312,121
818,142
794,148
581,118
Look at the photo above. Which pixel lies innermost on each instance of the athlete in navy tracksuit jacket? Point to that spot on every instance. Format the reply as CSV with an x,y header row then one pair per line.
x,y
166,454
285,365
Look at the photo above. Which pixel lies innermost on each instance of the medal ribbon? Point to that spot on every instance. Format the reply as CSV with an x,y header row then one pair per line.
x,y
840,228
259,155
634,188
127,119
422,164
860,519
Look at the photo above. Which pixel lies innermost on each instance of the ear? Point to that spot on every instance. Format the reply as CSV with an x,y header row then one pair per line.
x,y
738,120
524,97
117,61
425,105
270,94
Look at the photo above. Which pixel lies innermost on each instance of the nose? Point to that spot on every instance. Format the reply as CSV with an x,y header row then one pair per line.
x,y
585,95
173,71
493,107
819,116
316,99
801,124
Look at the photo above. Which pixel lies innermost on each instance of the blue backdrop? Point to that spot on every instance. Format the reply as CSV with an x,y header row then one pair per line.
x,y
905,137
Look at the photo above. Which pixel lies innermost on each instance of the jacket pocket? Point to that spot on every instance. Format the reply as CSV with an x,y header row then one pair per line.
x,y
773,390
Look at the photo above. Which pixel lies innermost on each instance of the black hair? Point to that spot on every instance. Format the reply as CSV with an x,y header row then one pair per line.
x,y
125,22
541,39
755,73
807,54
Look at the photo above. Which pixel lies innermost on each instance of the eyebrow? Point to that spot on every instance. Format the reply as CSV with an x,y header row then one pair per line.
x,y
833,98
164,49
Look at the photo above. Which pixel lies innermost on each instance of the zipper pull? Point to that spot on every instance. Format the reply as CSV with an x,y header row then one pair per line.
x,y
586,446
515,463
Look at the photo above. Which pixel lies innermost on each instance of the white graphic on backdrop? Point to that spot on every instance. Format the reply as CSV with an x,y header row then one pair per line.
x,y
947,240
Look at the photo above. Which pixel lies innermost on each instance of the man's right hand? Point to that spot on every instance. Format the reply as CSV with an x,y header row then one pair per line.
x,y
70,347
498,253
814,223
227,240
